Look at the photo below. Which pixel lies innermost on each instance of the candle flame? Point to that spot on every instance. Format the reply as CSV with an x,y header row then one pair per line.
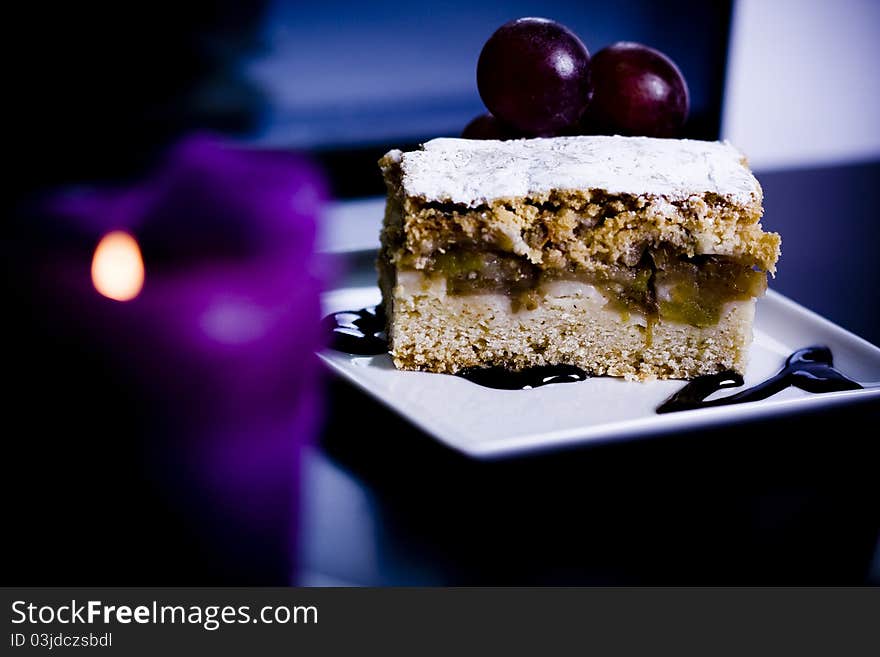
x,y
117,266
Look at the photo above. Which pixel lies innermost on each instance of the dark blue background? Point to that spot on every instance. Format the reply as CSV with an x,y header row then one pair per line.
x,y
343,72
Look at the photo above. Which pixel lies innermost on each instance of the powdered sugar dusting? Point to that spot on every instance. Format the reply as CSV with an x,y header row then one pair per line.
x,y
473,172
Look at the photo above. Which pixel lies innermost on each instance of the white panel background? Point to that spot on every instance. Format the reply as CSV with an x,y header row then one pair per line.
x,y
803,83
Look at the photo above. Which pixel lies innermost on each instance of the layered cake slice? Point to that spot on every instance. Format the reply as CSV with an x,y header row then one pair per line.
x,y
624,256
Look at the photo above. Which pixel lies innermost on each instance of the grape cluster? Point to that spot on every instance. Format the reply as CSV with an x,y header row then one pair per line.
x,y
536,78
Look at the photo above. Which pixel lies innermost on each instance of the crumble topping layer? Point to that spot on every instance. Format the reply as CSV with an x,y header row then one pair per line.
x,y
475,172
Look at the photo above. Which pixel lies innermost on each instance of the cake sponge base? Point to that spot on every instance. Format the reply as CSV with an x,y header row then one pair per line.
x,y
572,324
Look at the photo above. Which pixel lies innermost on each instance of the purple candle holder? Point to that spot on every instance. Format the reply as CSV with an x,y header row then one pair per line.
x,y
218,343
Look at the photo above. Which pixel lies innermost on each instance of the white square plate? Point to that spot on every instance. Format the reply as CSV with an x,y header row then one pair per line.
x,y
488,423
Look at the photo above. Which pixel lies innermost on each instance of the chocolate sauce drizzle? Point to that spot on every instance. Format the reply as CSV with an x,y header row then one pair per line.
x,y
362,332
810,369
531,377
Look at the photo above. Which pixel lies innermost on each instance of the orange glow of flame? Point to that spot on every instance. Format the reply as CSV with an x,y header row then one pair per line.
x,y
117,266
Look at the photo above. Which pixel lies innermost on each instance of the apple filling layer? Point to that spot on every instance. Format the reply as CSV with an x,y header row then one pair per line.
x,y
689,290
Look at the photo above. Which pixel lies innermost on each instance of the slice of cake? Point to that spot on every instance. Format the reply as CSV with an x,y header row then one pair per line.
x,y
625,256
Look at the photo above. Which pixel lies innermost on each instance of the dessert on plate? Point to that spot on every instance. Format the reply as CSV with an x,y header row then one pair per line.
x,y
624,256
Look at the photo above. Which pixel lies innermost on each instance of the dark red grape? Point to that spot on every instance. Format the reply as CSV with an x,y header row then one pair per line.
x,y
636,91
533,74
486,126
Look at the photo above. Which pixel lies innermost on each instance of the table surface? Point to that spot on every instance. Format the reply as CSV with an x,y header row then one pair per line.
x,y
784,501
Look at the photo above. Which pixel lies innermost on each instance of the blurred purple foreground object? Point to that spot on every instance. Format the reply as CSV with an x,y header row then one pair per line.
x,y
221,339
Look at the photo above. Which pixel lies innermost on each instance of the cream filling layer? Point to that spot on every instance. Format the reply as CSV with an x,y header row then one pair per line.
x,y
556,295
560,295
